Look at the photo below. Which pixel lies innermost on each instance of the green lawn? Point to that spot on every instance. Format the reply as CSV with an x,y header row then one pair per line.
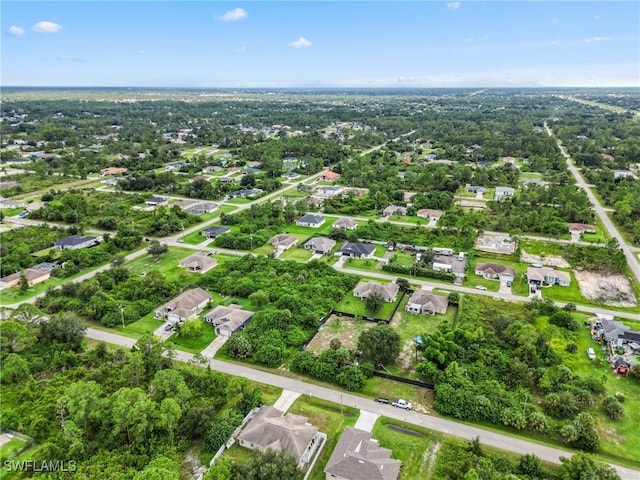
x,y
194,238
325,228
355,306
167,265
297,254
409,219
366,264
410,447
329,418
402,258
11,448
566,294
196,344
536,247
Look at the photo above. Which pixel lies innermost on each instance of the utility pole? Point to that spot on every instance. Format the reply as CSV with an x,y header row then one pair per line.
x,y
122,314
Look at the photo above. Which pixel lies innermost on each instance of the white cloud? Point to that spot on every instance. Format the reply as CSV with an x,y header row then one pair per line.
x,y
453,5
596,39
14,30
555,21
596,17
234,15
241,49
63,57
46,27
301,43
140,52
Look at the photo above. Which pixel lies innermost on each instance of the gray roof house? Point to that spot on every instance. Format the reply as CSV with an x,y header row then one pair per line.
x,y
425,302
186,305
394,210
75,242
213,232
156,201
357,250
199,262
502,192
345,224
388,291
283,241
269,429
310,220
320,245
357,456
228,320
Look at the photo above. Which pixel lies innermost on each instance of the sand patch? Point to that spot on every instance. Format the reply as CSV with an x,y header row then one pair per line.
x,y
546,260
610,289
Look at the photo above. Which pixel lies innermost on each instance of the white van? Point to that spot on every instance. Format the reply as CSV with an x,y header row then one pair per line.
x,y
591,353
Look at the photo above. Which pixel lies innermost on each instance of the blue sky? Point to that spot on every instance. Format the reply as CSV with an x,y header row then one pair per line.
x,y
320,44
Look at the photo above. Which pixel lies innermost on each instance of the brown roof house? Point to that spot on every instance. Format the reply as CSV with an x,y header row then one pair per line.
x,y
394,210
425,302
33,276
283,241
357,456
186,305
269,429
429,214
495,271
199,262
228,320
538,276
580,228
388,291
329,176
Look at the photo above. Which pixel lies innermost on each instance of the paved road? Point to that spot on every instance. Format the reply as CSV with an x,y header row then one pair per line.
x,y
449,427
632,261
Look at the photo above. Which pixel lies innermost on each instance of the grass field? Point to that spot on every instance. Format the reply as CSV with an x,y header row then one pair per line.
x,y
410,446
196,344
355,306
297,254
11,448
167,265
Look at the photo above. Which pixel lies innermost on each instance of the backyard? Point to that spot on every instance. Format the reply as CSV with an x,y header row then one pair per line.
x,y
356,306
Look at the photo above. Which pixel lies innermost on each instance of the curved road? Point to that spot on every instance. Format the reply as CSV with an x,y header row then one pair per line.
x,y
438,424
632,261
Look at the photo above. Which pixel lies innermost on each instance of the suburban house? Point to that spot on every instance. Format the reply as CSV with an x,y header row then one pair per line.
x,y
244,193
33,206
429,214
580,228
388,291
502,192
201,208
186,305
75,242
269,429
310,220
476,189
510,160
283,241
357,456
345,224
612,330
357,250
328,191
213,232
228,320
495,271
320,245
394,210
112,171
621,367
156,201
424,302
539,276
199,262
33,276
329,176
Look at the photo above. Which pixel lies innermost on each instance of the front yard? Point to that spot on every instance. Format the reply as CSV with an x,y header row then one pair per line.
x,y
356,306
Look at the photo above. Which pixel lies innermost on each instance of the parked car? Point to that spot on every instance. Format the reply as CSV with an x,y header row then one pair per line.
x,y
168,327
591,353
383,400
480,287
401,403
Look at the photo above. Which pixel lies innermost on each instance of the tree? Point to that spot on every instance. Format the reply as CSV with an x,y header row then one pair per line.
x,y
27,313
156,249
160,468
259,298
190,328
380,344
270,465
65,328
14,369
613,407
454,298
239,346
15,336
23,283
582,466
530,465
403,284
373,303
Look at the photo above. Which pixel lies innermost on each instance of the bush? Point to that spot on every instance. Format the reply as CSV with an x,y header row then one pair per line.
x,y
572,347
418,272
612,406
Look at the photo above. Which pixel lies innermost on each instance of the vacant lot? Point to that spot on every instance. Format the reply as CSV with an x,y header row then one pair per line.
x,y
550,260
345,329
610,289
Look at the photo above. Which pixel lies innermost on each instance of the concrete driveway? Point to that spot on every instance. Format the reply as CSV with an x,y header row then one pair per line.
x,y
504,287
366,420
286,399
163,334
211,349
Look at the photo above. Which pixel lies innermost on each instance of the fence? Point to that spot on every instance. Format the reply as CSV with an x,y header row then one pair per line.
x,y
417,383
